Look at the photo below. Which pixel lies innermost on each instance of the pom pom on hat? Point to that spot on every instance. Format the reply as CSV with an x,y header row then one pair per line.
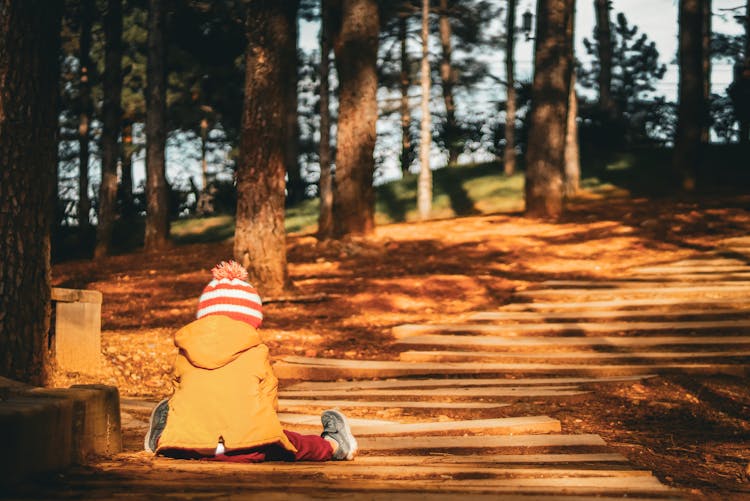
x,y
229,270
229,294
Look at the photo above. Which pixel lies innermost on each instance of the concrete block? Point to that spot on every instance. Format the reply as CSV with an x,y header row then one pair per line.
x,y
95,426
36,435
104,418
77,334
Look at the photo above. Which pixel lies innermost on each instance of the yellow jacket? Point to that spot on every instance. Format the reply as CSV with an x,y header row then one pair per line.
x,y
224,389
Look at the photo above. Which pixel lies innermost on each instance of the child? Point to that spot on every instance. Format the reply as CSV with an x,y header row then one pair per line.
x,y
224,402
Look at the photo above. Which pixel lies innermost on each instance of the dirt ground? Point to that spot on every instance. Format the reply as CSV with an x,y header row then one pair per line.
x,y
693,432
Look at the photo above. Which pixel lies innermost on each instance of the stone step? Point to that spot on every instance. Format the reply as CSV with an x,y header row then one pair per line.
x,y
630,283
401,331
432,443
547,316
471,392
266,486
689,290
696,277
640,356
457,382
286,404
496,459
673,304
499,342
314,420
498,426
326,369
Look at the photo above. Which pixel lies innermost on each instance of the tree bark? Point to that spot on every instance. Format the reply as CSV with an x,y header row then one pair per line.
x,y
296,185
448,78
111,126
325,182
424,185
572,159
572,176
549,110
204,152
356,50
691,106
29,45
260,237
607,106
509,154
706,61
126,167
405,82
84,119
744,121
157,196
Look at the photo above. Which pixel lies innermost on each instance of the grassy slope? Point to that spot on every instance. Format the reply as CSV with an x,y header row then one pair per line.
x,y
483,189
461,191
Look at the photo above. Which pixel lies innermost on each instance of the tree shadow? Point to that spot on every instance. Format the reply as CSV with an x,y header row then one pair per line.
x,y
450,182
394,205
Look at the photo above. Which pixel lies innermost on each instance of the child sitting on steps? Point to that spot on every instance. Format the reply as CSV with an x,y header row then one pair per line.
x,y
225,392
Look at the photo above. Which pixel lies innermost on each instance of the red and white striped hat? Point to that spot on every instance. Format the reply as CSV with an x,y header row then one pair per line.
x,y
230,295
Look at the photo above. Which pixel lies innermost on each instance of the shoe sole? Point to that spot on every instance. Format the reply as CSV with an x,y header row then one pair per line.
x,y
347,433
146,445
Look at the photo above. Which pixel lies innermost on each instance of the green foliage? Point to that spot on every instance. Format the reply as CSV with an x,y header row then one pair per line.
x,y
644,118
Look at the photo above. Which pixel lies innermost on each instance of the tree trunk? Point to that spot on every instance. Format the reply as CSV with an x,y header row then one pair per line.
x,y
126,168
745,76
260,238
157,196
325,183
691,107
405,81
509,154
84,119
572,176
111,126
448,78
296,185
549,110
29,45
204,151
356,50
607,106
424,186
706,47
572,159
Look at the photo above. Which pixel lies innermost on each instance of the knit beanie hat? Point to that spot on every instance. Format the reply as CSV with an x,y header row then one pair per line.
x,y
229,294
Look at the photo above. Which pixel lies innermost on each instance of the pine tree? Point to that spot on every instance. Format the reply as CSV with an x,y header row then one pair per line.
x,y
325,183
604,42
111,128
356,50
509,153
448,79
424,184
634,68
549,111
29,44
86,108
691,106
157,211
260,238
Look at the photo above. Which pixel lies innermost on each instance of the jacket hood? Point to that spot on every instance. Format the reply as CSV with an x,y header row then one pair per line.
x,y
215,340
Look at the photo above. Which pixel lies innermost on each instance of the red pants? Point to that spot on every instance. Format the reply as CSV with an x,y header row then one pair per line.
x,y
309,448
